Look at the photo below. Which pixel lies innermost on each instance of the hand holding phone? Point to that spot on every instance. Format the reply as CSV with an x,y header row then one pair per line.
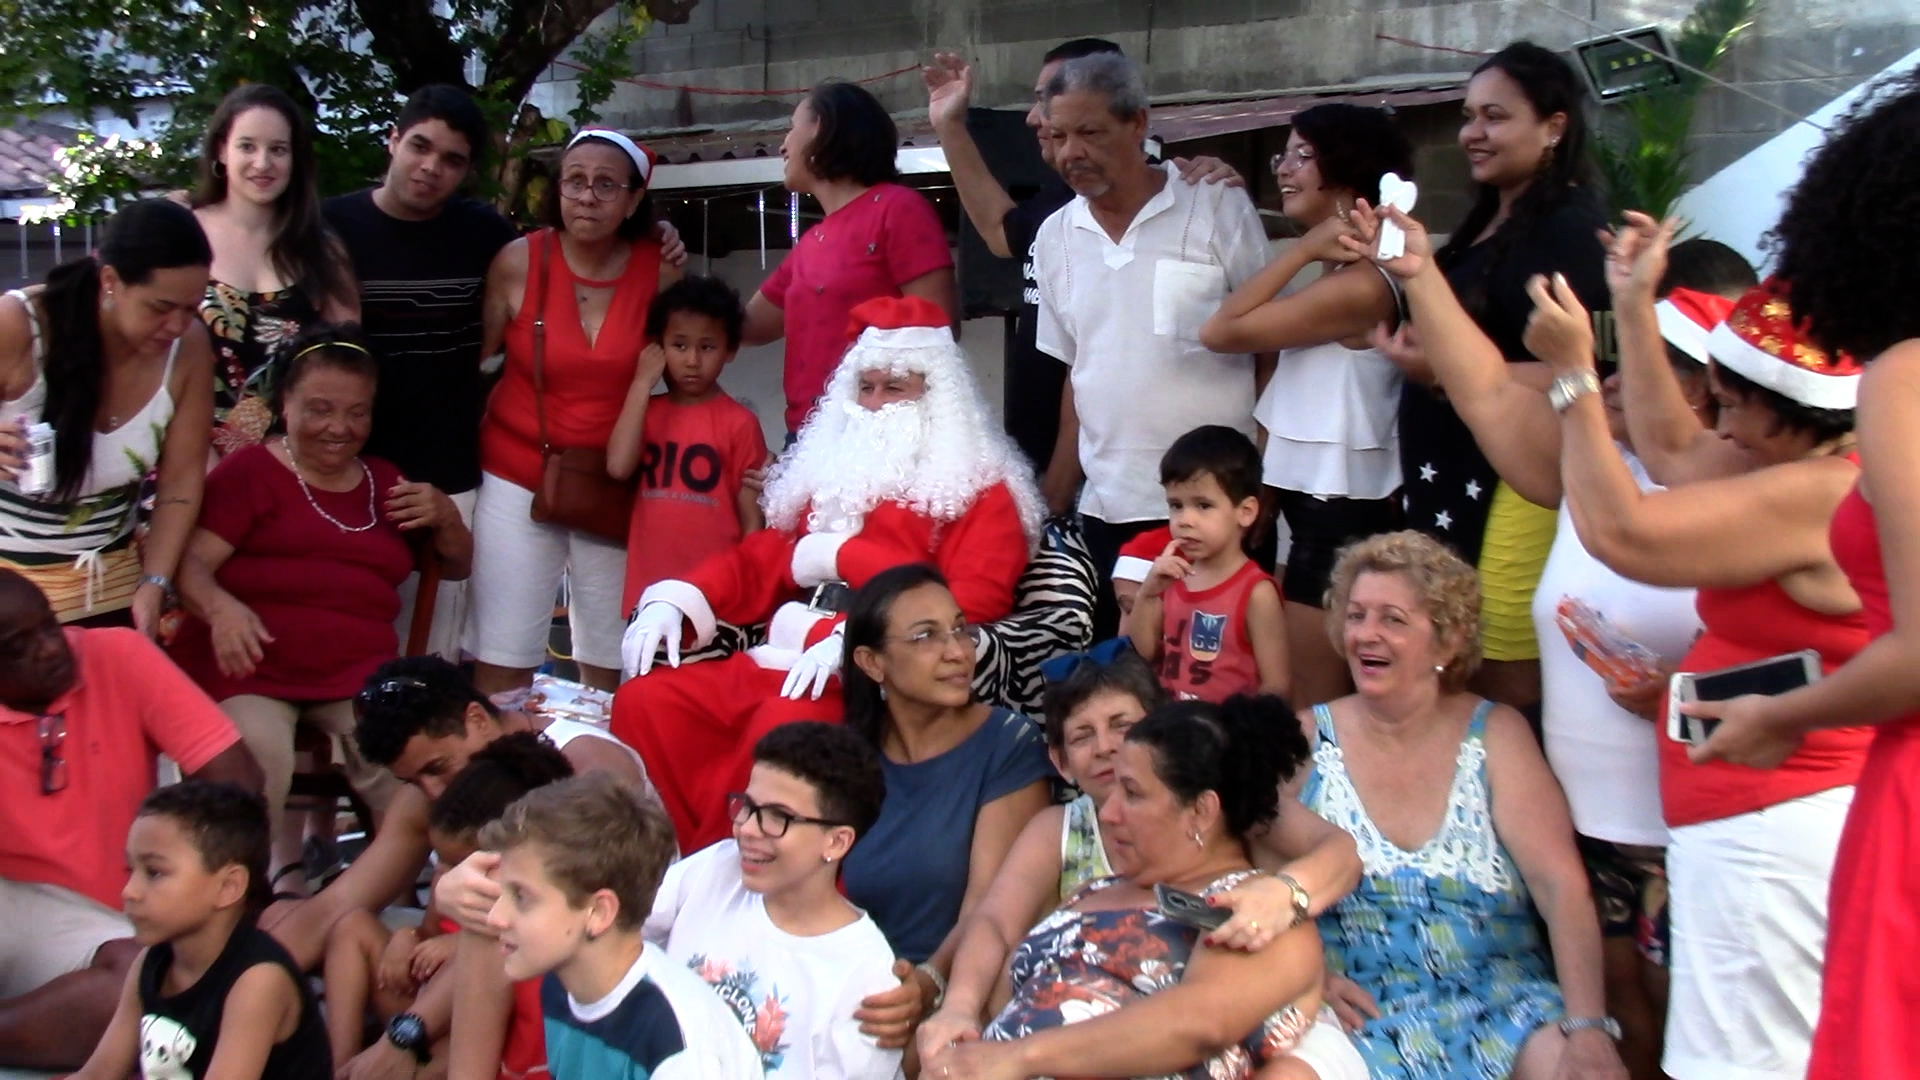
x,y
1188,909
1770,677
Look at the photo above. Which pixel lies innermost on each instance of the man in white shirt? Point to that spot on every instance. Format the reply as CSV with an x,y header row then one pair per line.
x,y
1128,271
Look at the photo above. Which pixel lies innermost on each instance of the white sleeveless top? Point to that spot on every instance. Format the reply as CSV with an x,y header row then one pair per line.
x,y
1606,758
1332,419
103,512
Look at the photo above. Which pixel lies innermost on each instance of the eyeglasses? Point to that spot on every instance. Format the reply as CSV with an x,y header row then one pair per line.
x,y
772,820
931,639
1299,155
389,693
605,189
53,761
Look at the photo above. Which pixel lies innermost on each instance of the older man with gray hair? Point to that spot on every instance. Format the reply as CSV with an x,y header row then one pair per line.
x,y
1128,271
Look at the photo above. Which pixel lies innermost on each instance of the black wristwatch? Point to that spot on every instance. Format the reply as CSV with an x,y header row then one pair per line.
x,y
409,1033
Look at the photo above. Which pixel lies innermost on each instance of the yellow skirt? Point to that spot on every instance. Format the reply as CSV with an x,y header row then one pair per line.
x,y
1514,552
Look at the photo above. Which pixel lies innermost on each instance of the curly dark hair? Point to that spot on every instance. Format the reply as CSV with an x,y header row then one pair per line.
x,y
696,295
1848,245
1127,674
226,823
495,776
842,768
857,139
1355,145
1242,750
414,695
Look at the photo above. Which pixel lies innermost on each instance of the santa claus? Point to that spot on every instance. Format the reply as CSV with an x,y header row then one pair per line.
x,y
900,462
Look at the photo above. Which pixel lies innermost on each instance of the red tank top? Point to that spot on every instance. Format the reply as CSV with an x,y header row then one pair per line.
x,y
1753,623
586,382
1204,650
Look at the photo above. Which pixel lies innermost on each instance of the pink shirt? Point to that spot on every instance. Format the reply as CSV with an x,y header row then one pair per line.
x,y
872,246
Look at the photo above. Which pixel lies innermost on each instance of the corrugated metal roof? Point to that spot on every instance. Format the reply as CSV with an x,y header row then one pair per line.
x,y
26,156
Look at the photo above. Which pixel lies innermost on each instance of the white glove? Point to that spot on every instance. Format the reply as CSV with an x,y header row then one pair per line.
x,y
658,623
814,668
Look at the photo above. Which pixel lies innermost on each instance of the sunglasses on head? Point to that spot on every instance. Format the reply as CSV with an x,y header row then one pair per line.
x,y
394,692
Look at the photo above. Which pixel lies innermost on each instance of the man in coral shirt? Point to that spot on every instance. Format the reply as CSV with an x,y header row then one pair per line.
x,y
84,718
902,463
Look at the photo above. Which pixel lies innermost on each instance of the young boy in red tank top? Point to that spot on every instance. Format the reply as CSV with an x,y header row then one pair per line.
x,y
1207,617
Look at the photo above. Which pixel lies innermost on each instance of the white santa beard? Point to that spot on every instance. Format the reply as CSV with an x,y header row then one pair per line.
x,y
849,460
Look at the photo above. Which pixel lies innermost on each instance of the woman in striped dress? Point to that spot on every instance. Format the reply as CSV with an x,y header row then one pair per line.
x,y
109,352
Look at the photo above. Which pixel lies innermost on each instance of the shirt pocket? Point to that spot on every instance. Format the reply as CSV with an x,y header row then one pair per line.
x,y
1185,295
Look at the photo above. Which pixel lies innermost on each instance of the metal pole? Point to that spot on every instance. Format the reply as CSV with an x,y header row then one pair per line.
x,y
57,257
706,236
793,216
20,232
760,212
89,235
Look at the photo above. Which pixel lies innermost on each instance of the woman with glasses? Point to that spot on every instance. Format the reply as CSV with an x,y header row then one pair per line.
x,y
574,298
1330,409
963,778
761,918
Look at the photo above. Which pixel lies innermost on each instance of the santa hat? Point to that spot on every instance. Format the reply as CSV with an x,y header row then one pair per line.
x,y
1762,341
1687,317
904,335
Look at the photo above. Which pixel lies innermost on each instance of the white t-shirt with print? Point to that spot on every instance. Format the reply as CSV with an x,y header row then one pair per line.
x,y
795,996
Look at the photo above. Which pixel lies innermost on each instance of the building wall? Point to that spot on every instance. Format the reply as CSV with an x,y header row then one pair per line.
x,y
1799,54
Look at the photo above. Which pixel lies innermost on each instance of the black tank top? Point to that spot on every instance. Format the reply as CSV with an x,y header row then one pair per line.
x,y
178,1033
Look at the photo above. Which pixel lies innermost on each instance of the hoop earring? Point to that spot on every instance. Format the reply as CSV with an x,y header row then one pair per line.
x,y
220,170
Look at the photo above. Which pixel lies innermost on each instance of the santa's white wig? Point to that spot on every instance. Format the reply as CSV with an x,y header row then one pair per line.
x,y
934,455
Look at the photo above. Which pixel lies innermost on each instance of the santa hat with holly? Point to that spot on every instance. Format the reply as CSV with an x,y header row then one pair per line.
x,y
1762,342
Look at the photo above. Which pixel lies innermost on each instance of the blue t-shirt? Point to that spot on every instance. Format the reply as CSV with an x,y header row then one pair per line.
x,y
910,870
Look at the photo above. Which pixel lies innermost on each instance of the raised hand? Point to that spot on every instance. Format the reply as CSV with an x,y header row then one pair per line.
x,y
1418,254
949,82
1637,256
1559,331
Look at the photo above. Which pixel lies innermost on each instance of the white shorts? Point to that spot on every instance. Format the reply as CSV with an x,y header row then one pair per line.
x,y
47,931
1748,905
1326,1049
449,603
517,566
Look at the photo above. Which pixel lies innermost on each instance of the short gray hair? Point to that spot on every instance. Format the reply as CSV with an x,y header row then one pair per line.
x,y
1110,74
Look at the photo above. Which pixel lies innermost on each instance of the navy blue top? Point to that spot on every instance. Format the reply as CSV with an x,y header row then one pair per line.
x,y
910,871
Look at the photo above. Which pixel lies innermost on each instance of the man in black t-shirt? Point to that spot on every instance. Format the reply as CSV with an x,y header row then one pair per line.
x,y
1034,380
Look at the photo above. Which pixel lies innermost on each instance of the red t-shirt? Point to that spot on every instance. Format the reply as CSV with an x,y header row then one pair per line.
x,y
1749,624
328,596
586,382
870,247
692,458
129,704
1205,654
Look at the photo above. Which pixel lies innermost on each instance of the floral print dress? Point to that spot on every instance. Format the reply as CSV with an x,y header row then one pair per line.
x,y
248,330
1077,965
1444,938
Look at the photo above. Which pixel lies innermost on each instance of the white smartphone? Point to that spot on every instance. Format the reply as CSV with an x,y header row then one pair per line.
x,y
1774,675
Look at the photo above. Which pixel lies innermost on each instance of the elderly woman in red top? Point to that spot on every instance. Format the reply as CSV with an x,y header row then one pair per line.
x,y
878,239
294,572
584,284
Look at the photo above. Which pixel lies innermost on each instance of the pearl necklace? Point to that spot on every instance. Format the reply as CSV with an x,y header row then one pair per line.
x,y
373,515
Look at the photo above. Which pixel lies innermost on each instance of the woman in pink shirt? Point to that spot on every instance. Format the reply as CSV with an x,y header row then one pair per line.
x,y
878,239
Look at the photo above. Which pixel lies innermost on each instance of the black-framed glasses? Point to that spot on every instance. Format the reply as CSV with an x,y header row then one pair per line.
x,y
772,820
605,189
53,753
393,692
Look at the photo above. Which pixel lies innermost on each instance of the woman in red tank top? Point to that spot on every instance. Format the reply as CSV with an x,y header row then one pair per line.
x,y
602,268
1853,261
1752,849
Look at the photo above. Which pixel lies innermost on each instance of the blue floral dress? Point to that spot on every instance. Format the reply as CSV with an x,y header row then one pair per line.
x,y
1076,965
1444,938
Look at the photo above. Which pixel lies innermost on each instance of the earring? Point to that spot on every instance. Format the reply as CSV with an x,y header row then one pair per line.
x,y
883,693
106,302
220,169
592,937
1439,669
826,858
1198,841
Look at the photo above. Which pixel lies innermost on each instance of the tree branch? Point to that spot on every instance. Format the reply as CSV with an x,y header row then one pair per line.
x,y
413,42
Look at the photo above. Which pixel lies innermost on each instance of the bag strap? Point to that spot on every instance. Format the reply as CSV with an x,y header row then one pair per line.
x,y
547,238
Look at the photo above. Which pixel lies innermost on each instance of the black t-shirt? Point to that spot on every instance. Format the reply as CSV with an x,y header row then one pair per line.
x,y
421,287
1034,380
1449,483
178,1034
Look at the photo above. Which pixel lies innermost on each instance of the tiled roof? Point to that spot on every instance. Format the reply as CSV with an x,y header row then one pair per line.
x,y
26,156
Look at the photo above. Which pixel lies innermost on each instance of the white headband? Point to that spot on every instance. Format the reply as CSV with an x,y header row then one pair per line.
x,y
639,156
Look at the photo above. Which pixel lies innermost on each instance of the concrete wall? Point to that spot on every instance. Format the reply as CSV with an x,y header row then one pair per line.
x,y
1800,54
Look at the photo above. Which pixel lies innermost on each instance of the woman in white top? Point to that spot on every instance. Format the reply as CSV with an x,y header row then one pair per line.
x,y
1332,450
108,352
760,917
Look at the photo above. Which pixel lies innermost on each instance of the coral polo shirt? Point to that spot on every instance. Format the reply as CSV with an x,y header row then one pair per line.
x,y
129,704
886,237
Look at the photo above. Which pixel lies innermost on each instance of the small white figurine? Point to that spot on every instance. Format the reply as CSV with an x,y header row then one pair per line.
x,y
1398,193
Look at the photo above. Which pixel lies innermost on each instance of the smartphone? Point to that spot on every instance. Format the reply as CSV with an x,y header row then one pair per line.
x,y
1774,675
1189,910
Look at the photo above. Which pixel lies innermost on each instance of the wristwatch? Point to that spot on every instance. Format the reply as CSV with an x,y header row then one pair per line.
x,y
1571,387
161,581
939,984
1302,903
1580,1023
409,1033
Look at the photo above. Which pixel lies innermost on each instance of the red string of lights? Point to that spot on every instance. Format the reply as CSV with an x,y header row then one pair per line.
x,y
724,92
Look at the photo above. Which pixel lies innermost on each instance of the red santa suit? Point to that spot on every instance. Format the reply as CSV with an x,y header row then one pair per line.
x,y
695,726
